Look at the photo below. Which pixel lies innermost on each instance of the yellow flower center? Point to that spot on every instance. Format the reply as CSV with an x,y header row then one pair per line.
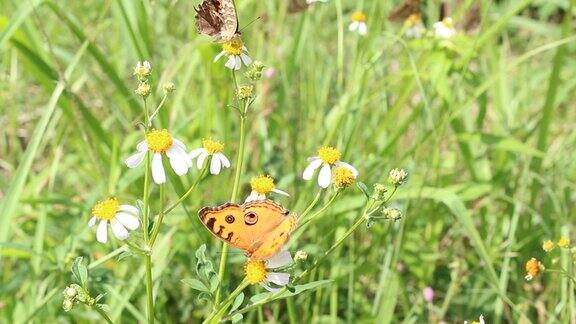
x,y
548,245
329,154
413,20
233,46
448,22
105,209
564,242
262,184
256,271
212,146
159,140
533,268
358,16
343,177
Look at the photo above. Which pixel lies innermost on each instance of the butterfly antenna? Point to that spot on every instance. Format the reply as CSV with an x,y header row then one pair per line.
x,y
250,23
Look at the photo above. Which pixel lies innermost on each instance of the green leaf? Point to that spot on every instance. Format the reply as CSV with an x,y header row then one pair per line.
x,y
80,272
363,188
297,290
237,302
196,284
237,318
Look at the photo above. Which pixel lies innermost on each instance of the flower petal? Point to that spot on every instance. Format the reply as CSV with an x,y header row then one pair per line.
x,y
309,171
281,192
325,176
179,143
129,209
135,159
237,63
178,159
252,196
281,259
279,278
131,222
158,173
215,165
201,158
118,229
353,26
92,221
230,63
217,57
142,146
270,289
246,59
347,166
362,29
196,152
102,231
224,159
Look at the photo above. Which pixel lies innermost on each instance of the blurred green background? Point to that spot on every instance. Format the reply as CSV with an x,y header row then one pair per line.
x,y
484,123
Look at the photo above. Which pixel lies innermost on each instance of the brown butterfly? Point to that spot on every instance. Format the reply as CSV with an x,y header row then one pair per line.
x,y
260,228
403,11
218,19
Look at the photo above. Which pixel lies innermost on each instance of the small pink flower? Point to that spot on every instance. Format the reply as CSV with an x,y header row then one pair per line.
x,y
428,294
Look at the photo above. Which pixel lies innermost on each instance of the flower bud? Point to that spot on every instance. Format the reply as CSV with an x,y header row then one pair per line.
x,y
143,70
379,191
254,73
67,305
300,256
143,90
168,87
392,213
398,176
245,92
70,292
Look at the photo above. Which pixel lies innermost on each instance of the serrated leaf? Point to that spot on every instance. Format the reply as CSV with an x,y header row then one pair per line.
x,y
80,272
196,284
237,302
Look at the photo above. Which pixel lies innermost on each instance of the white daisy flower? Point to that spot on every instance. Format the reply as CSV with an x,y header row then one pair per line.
x,y
160,142
445,28
257,271
237,54
120,217
214,149
327,158
261,186
414,26
358,23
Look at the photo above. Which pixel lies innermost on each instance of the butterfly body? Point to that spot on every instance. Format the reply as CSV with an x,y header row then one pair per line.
x,y
260,228
218,19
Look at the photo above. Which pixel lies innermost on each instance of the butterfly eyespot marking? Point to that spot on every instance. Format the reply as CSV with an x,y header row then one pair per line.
x,y
229,219
250,218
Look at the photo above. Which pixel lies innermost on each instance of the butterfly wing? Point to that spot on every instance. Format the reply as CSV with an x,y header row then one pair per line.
x,y
243,226
275,240
218,19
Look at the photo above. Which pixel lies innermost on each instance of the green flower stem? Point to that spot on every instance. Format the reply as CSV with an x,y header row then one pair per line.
x,y
277,294
218,313
323,209
235,188
159,219
312,204
103,314
149,296
145,219
149,124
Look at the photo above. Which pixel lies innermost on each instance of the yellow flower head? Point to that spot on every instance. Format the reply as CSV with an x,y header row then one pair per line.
x,y
262,184
329,154
159,140
358,16
548,245
212,146
233,46
564,242
255,271
533,268
106,209
413,20
343,177
448,22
